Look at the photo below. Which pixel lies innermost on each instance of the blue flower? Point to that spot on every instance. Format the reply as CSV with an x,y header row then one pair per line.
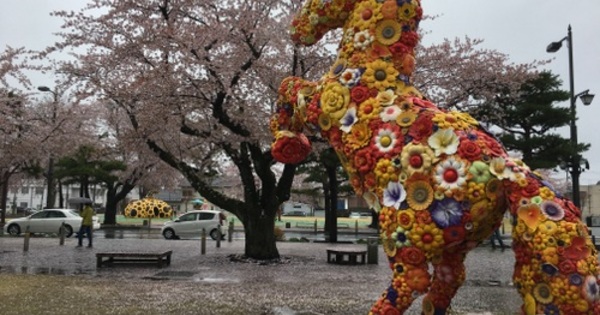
x,y
446,212
393,195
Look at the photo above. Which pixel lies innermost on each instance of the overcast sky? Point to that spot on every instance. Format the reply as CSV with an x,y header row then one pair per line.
x,y
520,28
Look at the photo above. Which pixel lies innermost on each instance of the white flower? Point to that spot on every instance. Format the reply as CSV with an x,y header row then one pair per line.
x,y
450,174
386,140
363,39
350,77
394,195
348,120
390,113
444,141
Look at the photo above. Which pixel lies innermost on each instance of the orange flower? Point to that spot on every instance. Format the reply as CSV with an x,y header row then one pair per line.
x,y
531,215
577,250
418,279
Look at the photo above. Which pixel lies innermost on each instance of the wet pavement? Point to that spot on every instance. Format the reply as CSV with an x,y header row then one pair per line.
x,y
303,284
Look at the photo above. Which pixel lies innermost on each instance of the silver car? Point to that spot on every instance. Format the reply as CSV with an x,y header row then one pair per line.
x,y
48,221
190,225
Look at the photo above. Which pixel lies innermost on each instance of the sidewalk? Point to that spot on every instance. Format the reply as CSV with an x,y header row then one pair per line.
x,y
304,284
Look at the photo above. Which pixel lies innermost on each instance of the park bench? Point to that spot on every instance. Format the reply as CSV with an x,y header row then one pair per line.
x,y
346,256
162,258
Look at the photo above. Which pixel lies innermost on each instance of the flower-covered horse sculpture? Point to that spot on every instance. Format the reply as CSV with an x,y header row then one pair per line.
x,y
440,182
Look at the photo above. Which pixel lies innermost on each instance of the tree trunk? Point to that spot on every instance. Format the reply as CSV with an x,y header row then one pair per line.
x,y
260,236
3,197
110,213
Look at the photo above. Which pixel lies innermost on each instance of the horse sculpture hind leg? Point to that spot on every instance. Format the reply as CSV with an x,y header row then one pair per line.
x,y
439,181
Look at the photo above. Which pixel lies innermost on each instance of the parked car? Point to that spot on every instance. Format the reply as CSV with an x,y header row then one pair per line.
x,y
190,225
295,213
48,221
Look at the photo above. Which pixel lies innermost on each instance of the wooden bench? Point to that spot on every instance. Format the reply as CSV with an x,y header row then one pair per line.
x,y
162,258
346,256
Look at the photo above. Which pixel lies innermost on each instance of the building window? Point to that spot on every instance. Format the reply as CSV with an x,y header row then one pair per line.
x,y
39,190
24,190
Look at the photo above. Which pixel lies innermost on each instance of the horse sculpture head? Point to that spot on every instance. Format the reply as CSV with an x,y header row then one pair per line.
x,y
376,52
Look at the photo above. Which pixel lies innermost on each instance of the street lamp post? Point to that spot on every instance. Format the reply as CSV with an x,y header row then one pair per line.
x,y
50,175
586,98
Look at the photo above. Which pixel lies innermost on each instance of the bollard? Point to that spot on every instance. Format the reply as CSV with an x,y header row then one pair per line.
x,y
372,250
26,242
203,242
230,232
219,236
356,227
315,226
61,234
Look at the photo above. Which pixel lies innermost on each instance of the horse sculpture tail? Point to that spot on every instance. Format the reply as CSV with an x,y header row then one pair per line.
x,y
556,269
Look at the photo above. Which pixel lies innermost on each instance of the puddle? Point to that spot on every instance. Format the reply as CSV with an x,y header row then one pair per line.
x,y
216,280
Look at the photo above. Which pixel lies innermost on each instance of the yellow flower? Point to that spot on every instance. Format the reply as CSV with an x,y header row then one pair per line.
x,y
366,13
406,218
465,117
388,32
380,75
427,237
546,193
550,255
406,11
416,158
369,109
419,195
406,118
324,122
334,100
359,135
475,191
449,120
385,172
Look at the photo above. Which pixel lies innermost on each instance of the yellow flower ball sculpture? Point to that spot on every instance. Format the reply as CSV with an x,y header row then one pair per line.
x,y
440,181
148,207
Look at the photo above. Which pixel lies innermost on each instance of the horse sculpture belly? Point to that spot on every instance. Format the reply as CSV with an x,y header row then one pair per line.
x,y
440,182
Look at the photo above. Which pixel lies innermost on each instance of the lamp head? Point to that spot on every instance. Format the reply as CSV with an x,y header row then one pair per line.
x,y
587,98
554,47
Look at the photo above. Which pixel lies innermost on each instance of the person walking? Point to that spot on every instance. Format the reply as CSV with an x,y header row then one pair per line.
x,y
496,236
86,224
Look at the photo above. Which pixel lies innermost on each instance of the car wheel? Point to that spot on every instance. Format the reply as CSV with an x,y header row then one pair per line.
x,y
14,230
169,234
68,231
214,234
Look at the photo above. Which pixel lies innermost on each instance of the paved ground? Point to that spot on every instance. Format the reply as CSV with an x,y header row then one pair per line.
x,y
305,284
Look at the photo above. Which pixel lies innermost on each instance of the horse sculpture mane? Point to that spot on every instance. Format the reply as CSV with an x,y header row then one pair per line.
x,y
439,181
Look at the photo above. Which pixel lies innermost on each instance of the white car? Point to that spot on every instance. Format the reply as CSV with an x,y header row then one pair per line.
x,y
190,225
48,221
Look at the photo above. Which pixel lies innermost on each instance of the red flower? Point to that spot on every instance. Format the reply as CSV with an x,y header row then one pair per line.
x,y
469,150
410,39
423,217
567,267
399,49
491,146
532,189
364,160
422,127
577,250
412,255
359,93
418,279
290,148
454,234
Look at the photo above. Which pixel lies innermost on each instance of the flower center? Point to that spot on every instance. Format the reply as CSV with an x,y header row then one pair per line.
x,y
388,32
450,175
367,14
380,75
427,238
385,141
415,161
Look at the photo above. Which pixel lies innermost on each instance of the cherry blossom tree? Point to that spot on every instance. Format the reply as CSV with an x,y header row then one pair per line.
x,y
196,81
